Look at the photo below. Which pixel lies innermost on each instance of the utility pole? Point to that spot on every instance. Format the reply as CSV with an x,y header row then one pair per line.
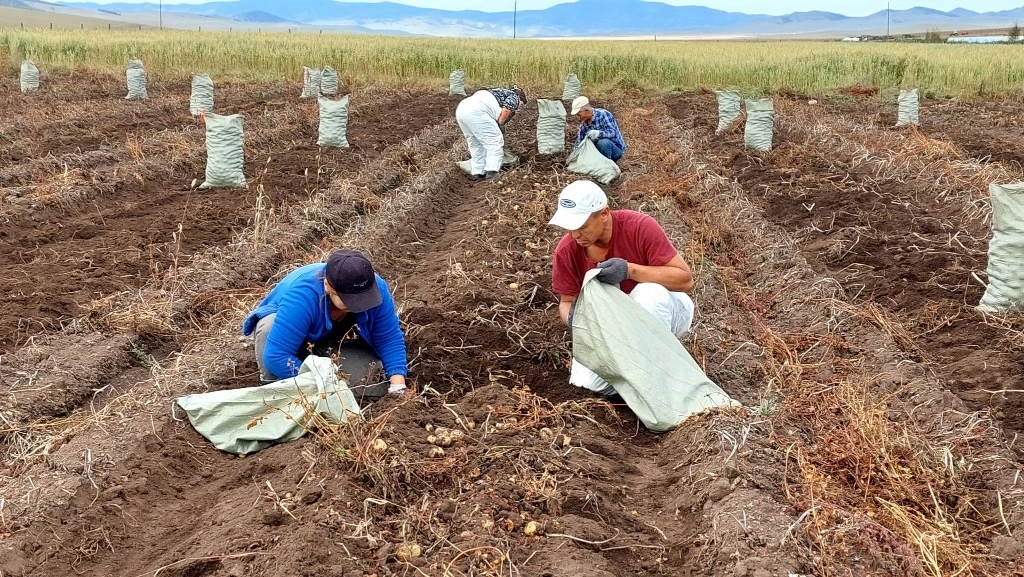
x,y
887,33
515,17
161,14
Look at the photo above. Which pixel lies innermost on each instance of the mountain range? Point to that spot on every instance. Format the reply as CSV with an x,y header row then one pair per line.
x,y
583,18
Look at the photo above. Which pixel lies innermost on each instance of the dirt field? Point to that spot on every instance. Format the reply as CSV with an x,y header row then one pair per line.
x,y
835,302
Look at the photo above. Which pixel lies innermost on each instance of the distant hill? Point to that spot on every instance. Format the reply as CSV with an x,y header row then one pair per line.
x,y
581,18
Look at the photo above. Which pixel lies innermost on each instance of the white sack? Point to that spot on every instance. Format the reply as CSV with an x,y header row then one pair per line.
x,y
244,421
908,107
136,75
760,125
572,89
730,105
333,122
639,357
201,99
457,83
29,76
507,161
1005,291
225,153
329,82
550,126
587,160
310,82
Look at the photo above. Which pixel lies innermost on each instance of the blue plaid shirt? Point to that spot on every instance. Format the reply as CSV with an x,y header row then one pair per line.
x,y
604,122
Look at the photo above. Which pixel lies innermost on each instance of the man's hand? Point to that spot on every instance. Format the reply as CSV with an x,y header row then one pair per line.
x,y
613,271
396,385
593,135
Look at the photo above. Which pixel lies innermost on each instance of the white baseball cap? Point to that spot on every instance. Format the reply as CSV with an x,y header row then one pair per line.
x,y
576,203
579,103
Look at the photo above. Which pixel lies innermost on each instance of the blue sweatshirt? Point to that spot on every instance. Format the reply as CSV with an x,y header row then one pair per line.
x,y
304,314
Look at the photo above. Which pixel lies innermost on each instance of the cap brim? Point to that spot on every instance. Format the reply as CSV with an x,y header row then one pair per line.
x,y
576,111
569,220
364,301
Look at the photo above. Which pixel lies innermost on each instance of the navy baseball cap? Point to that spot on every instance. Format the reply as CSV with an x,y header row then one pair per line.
x,y
351,275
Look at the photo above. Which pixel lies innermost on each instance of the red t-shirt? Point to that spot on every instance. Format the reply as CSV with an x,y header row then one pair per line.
x,y
636,237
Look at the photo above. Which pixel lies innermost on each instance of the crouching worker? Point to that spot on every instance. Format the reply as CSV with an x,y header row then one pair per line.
x,y
631,250
598,125
314,310
482,118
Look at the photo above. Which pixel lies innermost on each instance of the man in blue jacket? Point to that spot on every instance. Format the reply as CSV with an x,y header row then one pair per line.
x,y
598,125
314,309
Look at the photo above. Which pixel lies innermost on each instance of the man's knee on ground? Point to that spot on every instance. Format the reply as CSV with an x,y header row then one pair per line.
x,y
651,293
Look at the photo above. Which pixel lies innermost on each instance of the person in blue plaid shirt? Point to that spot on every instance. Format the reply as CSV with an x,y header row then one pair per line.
x,y
600,127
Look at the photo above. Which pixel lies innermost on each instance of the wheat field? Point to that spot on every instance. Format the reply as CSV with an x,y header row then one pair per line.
x,y
811,67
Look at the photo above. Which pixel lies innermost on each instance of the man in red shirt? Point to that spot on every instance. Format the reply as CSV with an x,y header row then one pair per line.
x,y
632,251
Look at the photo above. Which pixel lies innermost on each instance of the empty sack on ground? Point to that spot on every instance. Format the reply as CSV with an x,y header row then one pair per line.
x,y
244,421
29,76
310,82
333,122
329,82
136,75
1005,290
571,90
908,108
640,358
587,160
457,83
730,106
550,126
225,151
201,100
760,125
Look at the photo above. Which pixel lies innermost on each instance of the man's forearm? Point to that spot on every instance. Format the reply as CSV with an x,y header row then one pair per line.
x,y
670,277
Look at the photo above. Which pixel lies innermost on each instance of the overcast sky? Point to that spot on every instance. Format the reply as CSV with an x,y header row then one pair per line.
x,y
848,7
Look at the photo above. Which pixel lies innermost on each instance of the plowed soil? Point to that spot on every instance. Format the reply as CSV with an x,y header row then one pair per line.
x,y
120,227
836,464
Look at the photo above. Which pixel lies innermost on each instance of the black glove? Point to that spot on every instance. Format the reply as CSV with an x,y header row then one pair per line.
x,y
572,311
613,271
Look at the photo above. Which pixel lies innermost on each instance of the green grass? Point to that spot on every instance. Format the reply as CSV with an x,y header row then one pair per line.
x,y
754,67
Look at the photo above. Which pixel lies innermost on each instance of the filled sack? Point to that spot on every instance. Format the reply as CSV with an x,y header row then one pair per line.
x,y
329,82
760,128
571,89
29,76
457,83
333,122
136,75
730,107
310,82
225,152
1005,290
550,126
908,108
201,99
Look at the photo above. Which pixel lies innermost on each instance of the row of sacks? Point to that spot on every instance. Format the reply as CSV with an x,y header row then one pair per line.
x,y
757,133
571,89
225,154
759,129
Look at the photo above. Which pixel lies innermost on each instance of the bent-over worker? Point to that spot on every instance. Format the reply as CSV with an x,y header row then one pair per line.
x,y
314,310
598,125
482,118
633,253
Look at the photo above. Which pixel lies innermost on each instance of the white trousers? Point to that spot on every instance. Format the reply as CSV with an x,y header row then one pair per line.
x,y
672,309
484,139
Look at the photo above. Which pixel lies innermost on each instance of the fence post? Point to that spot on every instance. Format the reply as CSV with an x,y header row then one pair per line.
x,y
51,25
108,25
